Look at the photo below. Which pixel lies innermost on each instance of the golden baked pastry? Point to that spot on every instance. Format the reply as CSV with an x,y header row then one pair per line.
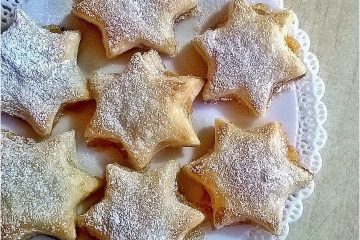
x,y
249,175
140,206
145,108
39,72
249,55
127,24
41,185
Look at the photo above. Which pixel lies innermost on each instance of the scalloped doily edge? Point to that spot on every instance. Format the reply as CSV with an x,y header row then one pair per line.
x,y
312,113
311,136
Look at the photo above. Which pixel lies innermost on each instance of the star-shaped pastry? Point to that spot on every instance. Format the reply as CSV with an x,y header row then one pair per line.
x,y
141,206
249,175
41,186
249,56
126,24
145,108
39,72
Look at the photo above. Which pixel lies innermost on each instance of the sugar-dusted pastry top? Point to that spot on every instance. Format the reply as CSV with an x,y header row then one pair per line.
x,y
249,175
145,108
41,185
141,206
39,72
249,55
126,24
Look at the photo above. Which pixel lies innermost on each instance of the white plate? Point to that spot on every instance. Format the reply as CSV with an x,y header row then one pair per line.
x,y
299,109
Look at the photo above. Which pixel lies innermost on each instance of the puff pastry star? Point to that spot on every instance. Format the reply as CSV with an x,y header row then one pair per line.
x,y
141,206
39,72
126,24
145,108
249,175
249,55
41,185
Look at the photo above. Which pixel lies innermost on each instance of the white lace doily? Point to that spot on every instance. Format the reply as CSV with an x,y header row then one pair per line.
x,y
310,137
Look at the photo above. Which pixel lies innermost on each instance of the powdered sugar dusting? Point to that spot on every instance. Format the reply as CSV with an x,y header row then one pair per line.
x,y
251,173
39,72
143,108
130,23
141,206
41,186
248,56
210,13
